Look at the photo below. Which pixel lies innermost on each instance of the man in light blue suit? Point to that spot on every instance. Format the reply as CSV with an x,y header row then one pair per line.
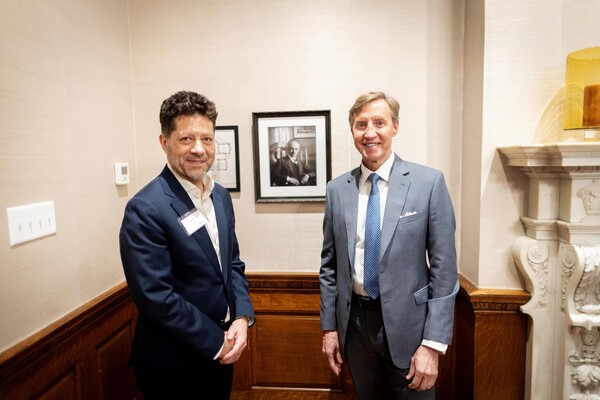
x,y
181,260
391,328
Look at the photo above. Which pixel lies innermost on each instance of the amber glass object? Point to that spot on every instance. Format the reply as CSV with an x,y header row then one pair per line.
x,y
582,92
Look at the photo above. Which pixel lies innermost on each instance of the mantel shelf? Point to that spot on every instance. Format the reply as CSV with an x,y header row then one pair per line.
x,y
564,154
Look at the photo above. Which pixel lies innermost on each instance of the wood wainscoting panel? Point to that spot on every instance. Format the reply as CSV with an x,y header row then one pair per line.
x,y
491,341
112,360
288,353
60,376
84,355
66,387
284,358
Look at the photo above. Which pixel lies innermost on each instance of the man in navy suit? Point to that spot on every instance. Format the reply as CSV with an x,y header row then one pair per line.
x,y
181,260
388,315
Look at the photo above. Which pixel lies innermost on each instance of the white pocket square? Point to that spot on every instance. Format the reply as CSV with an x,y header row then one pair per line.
x,y
408,214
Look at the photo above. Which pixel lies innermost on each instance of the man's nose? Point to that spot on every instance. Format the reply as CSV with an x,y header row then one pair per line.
x,y
198,148
371,130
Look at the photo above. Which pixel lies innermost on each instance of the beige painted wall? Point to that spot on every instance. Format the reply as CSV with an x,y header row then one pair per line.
x,y
66,117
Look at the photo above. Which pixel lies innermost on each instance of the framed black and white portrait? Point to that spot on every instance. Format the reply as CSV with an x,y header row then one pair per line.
x,y
292,155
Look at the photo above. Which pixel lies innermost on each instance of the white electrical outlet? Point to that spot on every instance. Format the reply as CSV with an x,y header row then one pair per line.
x,y
30,222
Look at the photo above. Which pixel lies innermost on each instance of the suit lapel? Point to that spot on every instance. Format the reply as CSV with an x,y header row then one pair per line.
x,y
350,201
182,204
222,227
396,197
203,239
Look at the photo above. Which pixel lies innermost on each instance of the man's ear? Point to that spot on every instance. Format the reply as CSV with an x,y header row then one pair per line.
x,y
163,141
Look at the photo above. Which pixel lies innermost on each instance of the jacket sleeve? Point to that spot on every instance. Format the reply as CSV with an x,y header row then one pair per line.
x,y
327,274
243,304
443,276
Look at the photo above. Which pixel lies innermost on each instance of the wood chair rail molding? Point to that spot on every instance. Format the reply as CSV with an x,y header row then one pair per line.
x,y
287,280
492,299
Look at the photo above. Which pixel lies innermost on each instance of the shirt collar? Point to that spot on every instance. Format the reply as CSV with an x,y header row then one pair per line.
x,y
384,171
191,189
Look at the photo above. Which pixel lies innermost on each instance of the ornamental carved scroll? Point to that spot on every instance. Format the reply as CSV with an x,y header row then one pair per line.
x,y
569,259
537,258
532,258
587,293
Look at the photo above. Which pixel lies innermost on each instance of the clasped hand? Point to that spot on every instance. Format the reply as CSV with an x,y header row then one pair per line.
x,y
297,182
236,340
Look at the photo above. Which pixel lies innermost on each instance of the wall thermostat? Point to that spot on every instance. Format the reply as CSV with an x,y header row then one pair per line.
x,y
121,173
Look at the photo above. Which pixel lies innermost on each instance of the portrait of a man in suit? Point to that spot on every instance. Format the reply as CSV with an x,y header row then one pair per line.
x,y
388,271
181,260
291,170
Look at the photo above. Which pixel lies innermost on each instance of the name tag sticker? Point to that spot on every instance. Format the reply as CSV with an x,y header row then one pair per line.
x,y
192,221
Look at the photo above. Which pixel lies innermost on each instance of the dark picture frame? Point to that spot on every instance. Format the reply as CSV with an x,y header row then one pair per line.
x,y
292,155
226,167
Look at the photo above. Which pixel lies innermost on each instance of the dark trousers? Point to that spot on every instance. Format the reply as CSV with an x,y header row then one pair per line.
x,y
367,353
208,382
166,368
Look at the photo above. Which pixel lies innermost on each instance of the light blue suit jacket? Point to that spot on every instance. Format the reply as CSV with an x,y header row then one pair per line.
x,y
418,275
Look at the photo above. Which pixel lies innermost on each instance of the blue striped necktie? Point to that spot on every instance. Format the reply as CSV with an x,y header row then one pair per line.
x,y
372,240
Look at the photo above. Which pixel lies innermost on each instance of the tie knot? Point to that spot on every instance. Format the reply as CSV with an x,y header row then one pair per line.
x,y
374,178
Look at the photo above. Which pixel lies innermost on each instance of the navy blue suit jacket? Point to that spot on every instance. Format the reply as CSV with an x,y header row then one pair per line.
x,y
175,279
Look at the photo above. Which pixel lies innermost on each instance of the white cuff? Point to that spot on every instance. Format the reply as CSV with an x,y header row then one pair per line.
x,y
441,347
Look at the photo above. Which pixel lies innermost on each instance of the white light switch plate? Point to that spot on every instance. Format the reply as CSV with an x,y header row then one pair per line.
x,y
30,222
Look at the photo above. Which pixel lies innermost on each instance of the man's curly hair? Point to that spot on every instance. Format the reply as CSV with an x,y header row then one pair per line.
x,y
185,103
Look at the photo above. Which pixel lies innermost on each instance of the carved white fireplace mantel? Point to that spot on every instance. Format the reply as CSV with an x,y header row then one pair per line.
x,y
560,260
